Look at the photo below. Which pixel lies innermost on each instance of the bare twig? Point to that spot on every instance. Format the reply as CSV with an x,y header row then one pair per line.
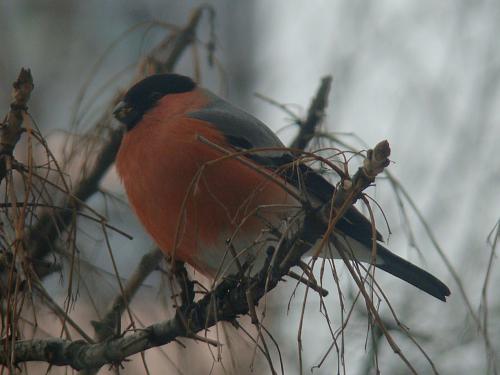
x,y
44,234
309,283
157,62
232,300
11,128
314,115
491,359
106,327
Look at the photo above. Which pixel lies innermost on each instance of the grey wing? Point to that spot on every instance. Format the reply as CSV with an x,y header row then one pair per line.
x,y
245,131
240,128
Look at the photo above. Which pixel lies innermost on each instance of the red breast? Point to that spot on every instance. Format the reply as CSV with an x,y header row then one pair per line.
x,y
189,207
204,208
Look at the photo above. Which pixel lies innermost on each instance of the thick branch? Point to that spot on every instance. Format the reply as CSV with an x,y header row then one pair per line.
x,y
225,303
105,328
46,231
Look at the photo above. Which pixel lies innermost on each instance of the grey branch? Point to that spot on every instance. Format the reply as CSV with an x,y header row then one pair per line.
x,y
315,115
225,303
43,235
105,328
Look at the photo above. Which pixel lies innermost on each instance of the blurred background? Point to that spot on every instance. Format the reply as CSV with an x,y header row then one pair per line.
x,y
423,75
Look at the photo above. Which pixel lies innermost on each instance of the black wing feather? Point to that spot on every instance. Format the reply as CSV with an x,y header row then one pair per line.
x,y
300,175
245,132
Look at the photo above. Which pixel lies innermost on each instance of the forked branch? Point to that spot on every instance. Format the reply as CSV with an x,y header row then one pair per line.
x,y
226,302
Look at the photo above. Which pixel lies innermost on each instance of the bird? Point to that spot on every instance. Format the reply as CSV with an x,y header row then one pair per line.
x,y
205,206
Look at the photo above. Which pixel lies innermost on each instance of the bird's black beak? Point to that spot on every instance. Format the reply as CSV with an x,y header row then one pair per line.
x,y
126,114
121,111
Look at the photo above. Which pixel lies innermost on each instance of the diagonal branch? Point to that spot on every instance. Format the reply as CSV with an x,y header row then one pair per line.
x,y
225,303
104,329
44,234
106,326
315,115
162,59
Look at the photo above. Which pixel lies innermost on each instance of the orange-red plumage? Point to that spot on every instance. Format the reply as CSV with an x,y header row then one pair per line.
x,y
191,208
192,198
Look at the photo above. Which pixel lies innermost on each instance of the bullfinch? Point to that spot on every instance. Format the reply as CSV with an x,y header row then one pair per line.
x,y
217,212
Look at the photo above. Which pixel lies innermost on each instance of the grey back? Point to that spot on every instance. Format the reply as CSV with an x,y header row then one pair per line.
x,y
238,125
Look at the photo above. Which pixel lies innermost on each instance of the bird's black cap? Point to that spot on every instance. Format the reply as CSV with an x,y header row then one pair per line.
x,y
143,95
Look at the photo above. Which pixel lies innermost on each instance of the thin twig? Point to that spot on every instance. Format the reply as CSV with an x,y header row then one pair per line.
x,y
309,283
232,300
46,231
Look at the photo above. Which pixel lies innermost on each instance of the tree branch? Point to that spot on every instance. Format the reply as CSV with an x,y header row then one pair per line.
x,y
225,303
315,114
105,328
11,128
42,236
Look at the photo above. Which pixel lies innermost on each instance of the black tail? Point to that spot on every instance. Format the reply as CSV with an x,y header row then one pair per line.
x,y
410,273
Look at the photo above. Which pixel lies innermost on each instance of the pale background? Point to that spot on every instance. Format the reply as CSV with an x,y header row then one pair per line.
x,y
424,75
